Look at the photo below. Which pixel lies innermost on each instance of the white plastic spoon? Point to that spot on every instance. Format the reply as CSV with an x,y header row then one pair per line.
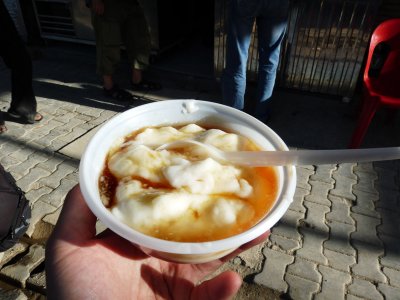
x,y
293,157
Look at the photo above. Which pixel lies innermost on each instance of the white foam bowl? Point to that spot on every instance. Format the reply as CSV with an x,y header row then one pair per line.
x,y
170,112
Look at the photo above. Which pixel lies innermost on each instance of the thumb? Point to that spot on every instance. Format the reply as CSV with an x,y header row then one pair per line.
x,y
224,286
76,222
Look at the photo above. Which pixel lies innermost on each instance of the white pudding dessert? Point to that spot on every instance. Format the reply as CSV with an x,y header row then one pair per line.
x,y
182,194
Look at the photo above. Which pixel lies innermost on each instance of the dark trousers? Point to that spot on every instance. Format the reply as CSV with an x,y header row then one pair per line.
x,y
16,57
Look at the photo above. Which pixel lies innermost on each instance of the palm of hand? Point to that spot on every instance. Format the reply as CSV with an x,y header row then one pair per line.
x,y
82,265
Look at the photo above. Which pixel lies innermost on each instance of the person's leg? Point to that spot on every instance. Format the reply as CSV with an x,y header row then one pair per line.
x,y
108,43
16,57
239,28
107,28
137,40
271,26
138,46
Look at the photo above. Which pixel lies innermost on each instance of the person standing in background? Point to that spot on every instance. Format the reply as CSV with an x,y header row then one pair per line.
x,y
16,57
117,23
271,19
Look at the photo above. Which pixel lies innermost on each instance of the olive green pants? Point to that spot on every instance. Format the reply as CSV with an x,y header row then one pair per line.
x,y
123,23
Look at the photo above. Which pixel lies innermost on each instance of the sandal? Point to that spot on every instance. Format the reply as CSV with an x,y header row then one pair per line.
x,y
118,94
146,85
29,119
3,127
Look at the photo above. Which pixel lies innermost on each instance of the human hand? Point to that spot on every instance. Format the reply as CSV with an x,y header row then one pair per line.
x,y
98,6
81,265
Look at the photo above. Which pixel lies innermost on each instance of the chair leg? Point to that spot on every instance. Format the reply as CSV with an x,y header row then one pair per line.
x,y
368,110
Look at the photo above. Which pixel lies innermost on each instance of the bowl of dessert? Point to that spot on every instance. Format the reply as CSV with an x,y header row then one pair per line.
x,y
181,204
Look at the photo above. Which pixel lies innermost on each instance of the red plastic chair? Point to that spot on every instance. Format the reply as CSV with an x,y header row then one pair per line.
x,y
381,83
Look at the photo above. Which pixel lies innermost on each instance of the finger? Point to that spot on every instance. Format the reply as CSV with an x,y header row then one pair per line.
x,y
76,222
223,286
244,247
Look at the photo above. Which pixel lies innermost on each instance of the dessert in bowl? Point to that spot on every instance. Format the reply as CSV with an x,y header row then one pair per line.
x,y
180,205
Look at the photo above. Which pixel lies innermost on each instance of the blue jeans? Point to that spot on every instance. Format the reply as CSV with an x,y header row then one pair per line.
x,y
271,20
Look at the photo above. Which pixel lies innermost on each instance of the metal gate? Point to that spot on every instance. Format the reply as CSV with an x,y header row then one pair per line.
x,y
324,46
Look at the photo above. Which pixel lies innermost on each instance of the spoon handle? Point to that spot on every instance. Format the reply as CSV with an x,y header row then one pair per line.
x,y
312,157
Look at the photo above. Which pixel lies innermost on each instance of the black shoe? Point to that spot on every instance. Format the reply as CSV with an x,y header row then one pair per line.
x,y
146,86
118,94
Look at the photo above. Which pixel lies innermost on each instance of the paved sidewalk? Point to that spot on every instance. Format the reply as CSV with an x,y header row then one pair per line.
x,y
340,238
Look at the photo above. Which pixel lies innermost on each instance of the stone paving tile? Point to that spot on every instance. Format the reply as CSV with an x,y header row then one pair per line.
x,y
7,162
52,163
319,192
366,167
31,180
11,253
54,180
45,130
15,132
298,200
37,282
391,258
345,171
315,216
105,116
90,111
71,124
284,244
7,146
339,260
390,222
364,289
393,276
288,225
366,182
312,248
22,153
39,210
275,263
46,140
366,230
63,116
339,238
365,203
34,195
22,169
333,285
300,288
389,292
252,258
20,271
57,196
13,294
388,199
324,173
340,210
305,269
352,297
344,182
368,262
303,175
73,135
388,179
